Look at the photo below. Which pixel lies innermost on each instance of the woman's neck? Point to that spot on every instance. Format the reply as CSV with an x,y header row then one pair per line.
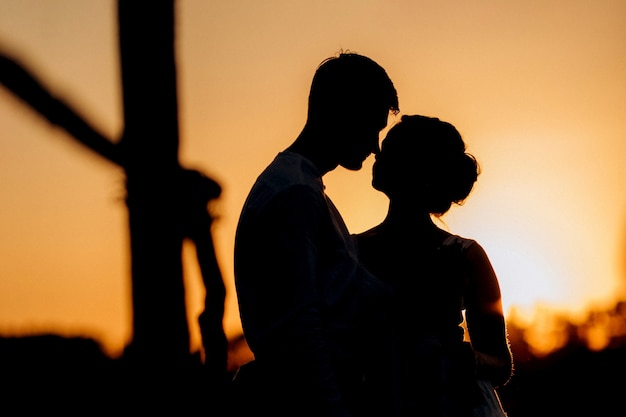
x,y
408,216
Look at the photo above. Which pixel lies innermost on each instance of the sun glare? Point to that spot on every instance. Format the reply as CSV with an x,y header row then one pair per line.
x,y
523,279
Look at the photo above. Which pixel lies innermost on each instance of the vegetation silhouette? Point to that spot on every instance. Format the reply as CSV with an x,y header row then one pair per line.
x,y
48,372
573,379
72,374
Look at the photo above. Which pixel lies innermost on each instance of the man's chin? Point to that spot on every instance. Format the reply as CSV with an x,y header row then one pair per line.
x,y
353,166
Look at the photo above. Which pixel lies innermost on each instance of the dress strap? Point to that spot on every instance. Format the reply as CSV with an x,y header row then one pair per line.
x,y
456,239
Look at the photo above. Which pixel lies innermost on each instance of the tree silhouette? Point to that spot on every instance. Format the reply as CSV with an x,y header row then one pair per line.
x,y
166,202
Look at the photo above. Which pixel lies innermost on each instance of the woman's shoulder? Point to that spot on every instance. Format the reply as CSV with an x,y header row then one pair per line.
x,y
471,249
463,242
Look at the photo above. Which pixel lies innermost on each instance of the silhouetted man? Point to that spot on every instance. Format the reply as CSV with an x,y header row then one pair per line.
x,y
304,300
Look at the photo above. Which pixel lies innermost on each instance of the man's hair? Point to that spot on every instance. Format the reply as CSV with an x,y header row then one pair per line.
x,y
350,80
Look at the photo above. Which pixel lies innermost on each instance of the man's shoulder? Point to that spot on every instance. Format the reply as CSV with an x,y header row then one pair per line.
x,y
288,170
289,179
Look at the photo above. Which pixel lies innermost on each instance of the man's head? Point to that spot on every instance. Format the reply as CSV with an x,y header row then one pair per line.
x,y
350,100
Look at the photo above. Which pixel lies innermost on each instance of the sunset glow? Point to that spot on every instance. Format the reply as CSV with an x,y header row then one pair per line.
x,y
537,89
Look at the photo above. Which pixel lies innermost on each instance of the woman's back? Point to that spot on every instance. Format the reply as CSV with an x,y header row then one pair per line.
x,y
431,365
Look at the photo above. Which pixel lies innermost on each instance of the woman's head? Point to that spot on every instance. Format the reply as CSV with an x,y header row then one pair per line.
x,y
423,161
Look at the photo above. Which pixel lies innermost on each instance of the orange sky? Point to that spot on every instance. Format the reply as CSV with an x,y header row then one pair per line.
x,y
537,88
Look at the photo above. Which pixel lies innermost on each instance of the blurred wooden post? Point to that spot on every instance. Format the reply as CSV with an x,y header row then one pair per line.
x,y
166,203
150,149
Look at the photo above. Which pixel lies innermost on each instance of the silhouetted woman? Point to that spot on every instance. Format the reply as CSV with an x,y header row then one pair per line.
x,y
424,367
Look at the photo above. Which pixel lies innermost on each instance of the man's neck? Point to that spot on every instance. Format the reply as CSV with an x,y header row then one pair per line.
x,y
309,144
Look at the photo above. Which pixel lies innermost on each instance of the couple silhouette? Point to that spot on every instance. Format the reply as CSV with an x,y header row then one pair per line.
x,y
369,324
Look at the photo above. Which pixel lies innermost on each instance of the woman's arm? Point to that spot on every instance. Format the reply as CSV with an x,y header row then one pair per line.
x,y
485,319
